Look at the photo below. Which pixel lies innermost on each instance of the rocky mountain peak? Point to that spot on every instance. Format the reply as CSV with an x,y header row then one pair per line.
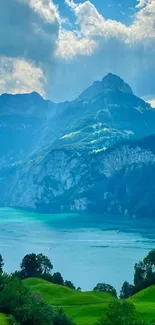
x,y
113,82
110,82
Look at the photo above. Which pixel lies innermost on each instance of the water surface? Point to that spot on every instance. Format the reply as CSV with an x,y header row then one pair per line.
x,y
84,249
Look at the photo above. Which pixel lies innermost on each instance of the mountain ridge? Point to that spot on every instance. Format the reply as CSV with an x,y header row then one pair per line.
x,y
84,155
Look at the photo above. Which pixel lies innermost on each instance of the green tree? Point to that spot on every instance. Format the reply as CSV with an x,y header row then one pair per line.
x,y
120,313
57,278
34,312
127,290
103,287
12,321
45,264
78,289
60,318
30,266
149,262
139,274
1,264
69,284
13,295
35,265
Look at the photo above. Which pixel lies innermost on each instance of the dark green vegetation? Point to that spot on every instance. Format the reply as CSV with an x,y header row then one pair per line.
x,y
144,276
96,153
102,287
30,297
121,313
83,307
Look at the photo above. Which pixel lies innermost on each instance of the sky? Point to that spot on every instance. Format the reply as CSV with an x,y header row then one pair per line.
x,y
60,47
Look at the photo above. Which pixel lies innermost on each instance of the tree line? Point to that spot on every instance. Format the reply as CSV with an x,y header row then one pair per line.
x,y
22,305
144,276
39,265
27,308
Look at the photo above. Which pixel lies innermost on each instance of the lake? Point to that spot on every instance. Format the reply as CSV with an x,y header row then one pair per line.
x,y
84,249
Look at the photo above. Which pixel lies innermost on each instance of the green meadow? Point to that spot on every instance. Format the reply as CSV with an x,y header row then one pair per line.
x,y
85,308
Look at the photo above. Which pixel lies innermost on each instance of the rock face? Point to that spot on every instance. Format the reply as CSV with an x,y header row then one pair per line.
x,y
95,154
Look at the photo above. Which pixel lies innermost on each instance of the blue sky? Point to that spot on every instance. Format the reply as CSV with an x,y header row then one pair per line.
x,y
60,47
121,10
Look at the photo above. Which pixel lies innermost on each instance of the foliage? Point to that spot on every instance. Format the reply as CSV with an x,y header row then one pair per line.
x,y
60,318
13,295
144,275
103,287
26,307
57,278
69,284
120,313
139,274
34,311
1,264
127,290
35,265
45,264
78,289
12,321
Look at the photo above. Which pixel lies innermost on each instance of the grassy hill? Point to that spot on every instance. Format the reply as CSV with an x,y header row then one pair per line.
x,y
82,307
4,320
86,307
145,302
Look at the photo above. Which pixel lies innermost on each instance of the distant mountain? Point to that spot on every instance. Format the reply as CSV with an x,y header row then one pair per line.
x,y
96,153
109,83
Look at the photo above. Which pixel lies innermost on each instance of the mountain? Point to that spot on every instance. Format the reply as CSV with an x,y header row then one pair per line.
x,y
108,83
96,153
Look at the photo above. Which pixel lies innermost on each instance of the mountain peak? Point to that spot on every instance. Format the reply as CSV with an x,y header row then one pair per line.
x,y
110,82
114,82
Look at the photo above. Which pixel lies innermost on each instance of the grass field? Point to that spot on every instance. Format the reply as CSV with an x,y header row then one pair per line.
x,y
83,307
145,303
4,320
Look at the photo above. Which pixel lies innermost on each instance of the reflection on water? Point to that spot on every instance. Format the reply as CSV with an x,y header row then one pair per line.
x,y
85,253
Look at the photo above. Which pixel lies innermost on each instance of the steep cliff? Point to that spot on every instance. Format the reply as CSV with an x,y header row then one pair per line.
x,y
95,154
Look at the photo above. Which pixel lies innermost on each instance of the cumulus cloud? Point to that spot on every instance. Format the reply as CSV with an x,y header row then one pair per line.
x,y
100,45
72,44
45,8
34,38
20,76
29,32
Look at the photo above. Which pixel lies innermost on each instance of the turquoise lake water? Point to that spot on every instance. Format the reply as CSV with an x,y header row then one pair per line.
x,y
84,249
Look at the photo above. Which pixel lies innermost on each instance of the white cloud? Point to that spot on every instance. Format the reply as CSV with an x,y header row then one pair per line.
x,y
28,29
29,32
72,44
93,25
45,8
35,37
19,76
141,3
97,45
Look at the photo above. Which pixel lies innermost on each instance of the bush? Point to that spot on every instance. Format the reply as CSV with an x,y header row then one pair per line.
x,y
28,308
69,284
57,278
120,313
103,287
60,318
127,290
